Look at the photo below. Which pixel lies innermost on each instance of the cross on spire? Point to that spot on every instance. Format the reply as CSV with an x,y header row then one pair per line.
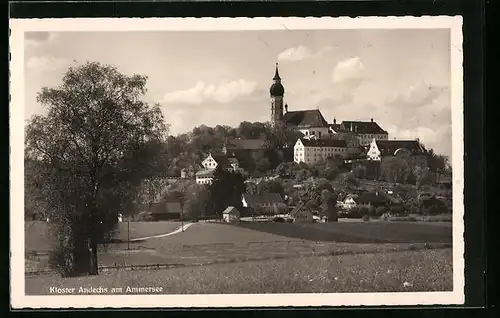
x,y
277,74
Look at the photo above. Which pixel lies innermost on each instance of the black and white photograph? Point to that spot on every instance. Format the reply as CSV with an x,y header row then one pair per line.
x,y
236,162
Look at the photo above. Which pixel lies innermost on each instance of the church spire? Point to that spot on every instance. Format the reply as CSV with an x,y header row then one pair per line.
x,y
277,74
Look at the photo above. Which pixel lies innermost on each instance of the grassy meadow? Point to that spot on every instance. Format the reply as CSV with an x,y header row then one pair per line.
x,y
409,271
266,257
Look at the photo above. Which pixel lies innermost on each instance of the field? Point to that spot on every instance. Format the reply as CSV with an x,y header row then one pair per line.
x,y
37,238
359,232
428,270
231,255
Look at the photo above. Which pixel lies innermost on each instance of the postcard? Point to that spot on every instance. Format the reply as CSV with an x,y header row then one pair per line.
x,y
236,162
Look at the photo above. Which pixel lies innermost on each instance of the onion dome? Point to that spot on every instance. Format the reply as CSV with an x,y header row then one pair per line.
x,y
277,88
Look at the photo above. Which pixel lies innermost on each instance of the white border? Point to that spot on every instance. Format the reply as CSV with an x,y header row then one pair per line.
x,y
19,26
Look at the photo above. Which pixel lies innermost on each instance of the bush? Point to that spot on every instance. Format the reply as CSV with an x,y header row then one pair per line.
x,y
434,206
366,218
380,211
366,210
144,216
354,213
403,219
398,210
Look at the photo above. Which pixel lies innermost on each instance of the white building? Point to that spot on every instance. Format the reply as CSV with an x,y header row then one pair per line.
x,y
365,131
410,150
348,203
314,150
212,161
205,176
231,214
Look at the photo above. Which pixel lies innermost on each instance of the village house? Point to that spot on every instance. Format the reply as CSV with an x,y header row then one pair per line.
x,y
231,214
364,131
374,199
315,150
265,203
211,162
348,203
205,176
300,214
410,150
234,146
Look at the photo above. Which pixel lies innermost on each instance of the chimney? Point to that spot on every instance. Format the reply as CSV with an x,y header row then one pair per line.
x,y
286,108
334,120
372,120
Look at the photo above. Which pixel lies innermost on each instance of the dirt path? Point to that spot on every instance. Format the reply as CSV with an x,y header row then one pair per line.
x,y
176,231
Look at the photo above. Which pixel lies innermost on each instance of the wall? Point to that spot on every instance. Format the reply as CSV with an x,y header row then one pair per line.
x,y
204,179
366,139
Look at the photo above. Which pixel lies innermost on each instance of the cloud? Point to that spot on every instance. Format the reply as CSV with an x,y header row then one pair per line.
x,y
350,71
301,52
183,119
46,63
222,93
416,95
38,38
437,138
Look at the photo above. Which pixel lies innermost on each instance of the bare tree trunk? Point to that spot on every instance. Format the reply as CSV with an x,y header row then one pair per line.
x,y
94,224
94,268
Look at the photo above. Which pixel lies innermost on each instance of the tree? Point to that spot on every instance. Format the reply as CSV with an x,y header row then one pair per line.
x,y
226,190
329,204
262,165
198,199
395,169
350,180
360,171
422,176
437,163
271,186
34,203
90,143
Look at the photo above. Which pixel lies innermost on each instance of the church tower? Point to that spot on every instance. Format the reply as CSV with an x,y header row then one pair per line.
x,y
277,92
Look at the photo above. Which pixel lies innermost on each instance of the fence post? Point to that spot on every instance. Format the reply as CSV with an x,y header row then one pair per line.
x,y
128,234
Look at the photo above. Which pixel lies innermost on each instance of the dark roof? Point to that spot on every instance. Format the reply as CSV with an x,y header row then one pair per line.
x,y
253,199
231,210
363,127
323,142
389,147
305,118
276,74
205,172
277,89
297,209
245,144
339,128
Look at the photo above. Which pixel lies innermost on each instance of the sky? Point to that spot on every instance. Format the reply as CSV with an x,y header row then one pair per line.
x,y
401,77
